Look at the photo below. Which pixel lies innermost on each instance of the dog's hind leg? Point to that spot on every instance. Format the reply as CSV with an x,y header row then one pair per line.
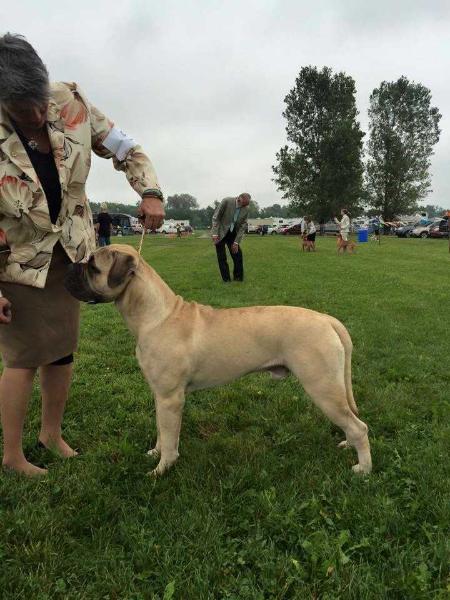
x,y
169,410
328,392
330,397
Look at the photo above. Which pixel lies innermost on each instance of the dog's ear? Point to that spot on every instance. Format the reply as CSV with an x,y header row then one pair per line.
x,y
123,265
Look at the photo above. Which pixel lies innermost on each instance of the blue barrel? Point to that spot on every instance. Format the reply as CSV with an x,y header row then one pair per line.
x,y
363,235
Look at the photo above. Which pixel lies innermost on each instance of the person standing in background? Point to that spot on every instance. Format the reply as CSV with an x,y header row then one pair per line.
x,y
377,224
344,229
104,226
311,234
228,227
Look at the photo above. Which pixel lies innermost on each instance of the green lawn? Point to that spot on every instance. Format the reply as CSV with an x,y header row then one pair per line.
x,y
261,504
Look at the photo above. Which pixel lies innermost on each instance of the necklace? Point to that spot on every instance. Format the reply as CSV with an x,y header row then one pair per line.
x,y
33,144
30,142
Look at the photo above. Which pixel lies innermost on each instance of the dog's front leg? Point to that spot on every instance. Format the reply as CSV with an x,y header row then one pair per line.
x,y
169,409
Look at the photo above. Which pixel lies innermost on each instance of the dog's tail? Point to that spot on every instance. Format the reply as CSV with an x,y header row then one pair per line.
x,y
346,341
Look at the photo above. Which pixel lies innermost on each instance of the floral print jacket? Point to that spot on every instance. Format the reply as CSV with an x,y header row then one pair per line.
x,y
75,127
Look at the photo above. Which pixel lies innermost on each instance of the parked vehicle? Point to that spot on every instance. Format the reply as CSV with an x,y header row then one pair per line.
x,y
421,231
360,222
167,228
292,230
439,230
404,231
331,227
137,227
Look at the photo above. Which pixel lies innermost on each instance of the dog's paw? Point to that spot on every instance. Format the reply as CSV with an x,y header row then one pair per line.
x,y
360,470
344,445
159,470
163,466
153,452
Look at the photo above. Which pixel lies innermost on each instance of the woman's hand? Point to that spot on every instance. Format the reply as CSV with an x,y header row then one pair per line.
x,y
5,311
152,212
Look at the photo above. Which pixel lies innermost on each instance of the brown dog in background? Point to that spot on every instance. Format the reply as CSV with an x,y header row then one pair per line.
x,y
305,243
341,246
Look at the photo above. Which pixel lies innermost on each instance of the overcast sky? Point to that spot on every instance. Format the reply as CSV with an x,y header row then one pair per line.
x,y
200,84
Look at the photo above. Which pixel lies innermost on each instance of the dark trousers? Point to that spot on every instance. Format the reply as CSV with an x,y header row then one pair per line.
x,y
238,270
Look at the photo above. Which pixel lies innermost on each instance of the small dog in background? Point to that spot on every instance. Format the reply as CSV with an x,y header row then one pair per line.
x,y
305,243
342,246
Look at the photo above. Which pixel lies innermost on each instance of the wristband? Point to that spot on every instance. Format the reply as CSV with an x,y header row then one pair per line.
x,y
153,192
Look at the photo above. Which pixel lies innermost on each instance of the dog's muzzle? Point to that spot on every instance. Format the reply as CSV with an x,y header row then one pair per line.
x,y
77,285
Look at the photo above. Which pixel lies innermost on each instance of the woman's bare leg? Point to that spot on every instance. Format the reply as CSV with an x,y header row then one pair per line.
x,y
15,391
55,385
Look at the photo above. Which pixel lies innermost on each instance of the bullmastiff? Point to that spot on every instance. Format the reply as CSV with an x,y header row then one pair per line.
x,y
185,346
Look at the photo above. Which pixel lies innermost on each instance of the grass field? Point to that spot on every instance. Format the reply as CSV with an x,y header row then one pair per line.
x,y
261,503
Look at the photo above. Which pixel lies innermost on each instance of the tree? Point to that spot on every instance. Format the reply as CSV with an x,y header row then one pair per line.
x,y
321,171
180,206
276,210
433,210
115,207
403,127
202,218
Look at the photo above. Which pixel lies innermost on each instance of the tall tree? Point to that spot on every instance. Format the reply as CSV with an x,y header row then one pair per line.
x,y
116,207
180,206
253,209
433,210
403,130
321,170
275,210
201,218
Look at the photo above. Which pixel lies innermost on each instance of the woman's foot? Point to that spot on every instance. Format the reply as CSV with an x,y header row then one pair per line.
x,y
24,467
58,445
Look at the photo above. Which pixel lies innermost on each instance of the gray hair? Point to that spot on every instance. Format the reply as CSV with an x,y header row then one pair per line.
x,y
23,75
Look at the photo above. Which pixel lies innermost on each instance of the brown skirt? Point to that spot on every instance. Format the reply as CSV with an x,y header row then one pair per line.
x,y
45,322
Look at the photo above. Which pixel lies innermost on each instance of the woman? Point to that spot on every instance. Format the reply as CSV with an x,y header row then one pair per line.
x,y
104,226
344,230
311,234
47,132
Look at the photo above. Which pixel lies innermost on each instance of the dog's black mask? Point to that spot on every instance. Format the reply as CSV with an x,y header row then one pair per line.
x,y
77,284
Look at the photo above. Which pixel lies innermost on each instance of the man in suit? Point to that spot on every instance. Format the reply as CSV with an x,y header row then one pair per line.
x,y
228,227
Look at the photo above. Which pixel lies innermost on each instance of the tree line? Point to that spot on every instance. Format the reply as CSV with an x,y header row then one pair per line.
x,y
185,207
325,166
